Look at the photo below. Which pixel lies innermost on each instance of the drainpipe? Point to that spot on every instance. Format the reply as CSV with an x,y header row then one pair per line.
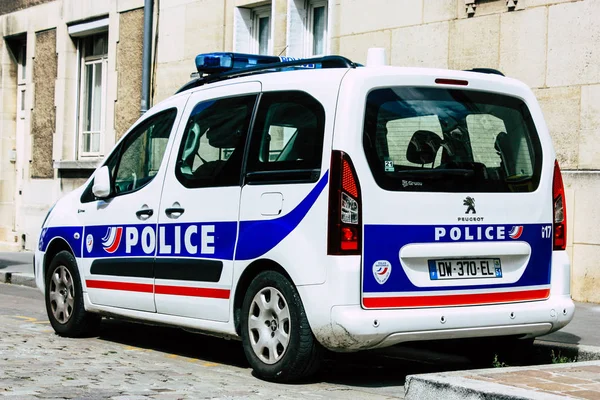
x,y
147,54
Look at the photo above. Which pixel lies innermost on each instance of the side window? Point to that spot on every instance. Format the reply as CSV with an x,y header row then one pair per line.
x,y
287,141
141,153
212,147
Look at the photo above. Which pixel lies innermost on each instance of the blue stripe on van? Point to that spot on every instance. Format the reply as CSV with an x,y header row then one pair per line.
x,y
258,237
70,234
383,242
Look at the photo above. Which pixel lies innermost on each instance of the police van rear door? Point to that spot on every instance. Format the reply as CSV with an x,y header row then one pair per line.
x,y
198,217
457,206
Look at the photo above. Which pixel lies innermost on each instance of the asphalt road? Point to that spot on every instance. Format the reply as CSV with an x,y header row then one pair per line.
x,y
140,361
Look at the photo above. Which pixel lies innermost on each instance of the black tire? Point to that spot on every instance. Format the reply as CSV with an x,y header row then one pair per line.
x,y
64,299
302,355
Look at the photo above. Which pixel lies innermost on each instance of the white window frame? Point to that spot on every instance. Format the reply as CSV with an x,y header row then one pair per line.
x,y
84,61
22,80
310,40
257,14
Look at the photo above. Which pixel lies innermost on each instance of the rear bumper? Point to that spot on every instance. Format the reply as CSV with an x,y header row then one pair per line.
x,y
354,328
350,327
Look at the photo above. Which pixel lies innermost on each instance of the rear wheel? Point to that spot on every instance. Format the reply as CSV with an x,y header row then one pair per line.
x,y
64,299
276,336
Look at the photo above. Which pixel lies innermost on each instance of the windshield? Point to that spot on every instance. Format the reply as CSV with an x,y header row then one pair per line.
x,y
446,140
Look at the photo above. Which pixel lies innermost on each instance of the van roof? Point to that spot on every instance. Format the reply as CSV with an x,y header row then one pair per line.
x,y
250,65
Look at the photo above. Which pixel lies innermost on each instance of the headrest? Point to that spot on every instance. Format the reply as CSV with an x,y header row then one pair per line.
x,y
423,147
226,133
192,142
502,142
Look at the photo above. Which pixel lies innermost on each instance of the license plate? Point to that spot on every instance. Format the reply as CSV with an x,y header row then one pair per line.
x,y
470,268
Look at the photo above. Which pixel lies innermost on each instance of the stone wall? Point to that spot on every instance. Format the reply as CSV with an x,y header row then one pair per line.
x,y
43,113
129,69
9,6
551,45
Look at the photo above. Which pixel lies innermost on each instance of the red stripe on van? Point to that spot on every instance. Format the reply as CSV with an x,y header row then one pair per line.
x,y
125,286
455,300
160,289
192,291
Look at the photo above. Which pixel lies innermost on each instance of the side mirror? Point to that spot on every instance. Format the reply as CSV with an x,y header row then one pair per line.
x,y
101,188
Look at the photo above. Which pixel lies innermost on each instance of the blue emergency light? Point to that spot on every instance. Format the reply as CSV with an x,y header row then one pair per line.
x,y
213,67
213,63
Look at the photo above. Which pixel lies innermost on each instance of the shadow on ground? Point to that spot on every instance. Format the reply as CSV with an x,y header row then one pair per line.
x,y
378,368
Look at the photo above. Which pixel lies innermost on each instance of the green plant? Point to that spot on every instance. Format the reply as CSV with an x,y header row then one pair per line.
x,y
498,364
560,359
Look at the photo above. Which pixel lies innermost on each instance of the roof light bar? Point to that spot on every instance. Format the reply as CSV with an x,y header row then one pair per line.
x,y
213,63
213,67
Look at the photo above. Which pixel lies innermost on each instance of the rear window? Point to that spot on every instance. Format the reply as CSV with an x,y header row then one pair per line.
x,y
443,140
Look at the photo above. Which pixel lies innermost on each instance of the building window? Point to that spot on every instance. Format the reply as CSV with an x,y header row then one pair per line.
x,y
252,30
22,74
307,28
316,28
21,79
92,106
261,30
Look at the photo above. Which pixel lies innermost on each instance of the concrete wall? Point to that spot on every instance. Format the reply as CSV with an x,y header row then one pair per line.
x,y
8,88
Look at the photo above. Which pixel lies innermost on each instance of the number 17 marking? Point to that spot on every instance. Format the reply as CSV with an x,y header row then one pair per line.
x,y
546,232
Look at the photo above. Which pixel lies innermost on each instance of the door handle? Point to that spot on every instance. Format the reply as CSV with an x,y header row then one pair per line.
x,y
144,213
174,211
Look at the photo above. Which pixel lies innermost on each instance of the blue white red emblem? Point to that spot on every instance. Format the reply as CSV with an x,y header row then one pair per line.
x,y
112,239
516,232
381,271
89,243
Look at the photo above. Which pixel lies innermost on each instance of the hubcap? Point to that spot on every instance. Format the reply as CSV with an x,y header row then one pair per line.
x,y
62,294
269,325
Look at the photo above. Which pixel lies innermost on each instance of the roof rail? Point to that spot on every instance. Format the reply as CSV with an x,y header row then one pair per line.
x,y
308,63
485,71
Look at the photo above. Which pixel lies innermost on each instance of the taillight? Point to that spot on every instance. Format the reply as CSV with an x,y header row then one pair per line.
x,y
560,210
345,219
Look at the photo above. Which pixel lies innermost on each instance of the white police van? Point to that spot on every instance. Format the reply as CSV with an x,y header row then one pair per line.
x,y
302,205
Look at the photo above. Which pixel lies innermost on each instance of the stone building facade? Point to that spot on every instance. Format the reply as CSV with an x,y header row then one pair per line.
x,y
69,83
50,47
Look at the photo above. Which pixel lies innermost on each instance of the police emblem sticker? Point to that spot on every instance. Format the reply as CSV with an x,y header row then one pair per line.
x,y
89,243
381,271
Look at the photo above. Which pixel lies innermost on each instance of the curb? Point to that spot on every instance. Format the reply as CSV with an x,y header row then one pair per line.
x,y
22,279
452,387
456,385
580,352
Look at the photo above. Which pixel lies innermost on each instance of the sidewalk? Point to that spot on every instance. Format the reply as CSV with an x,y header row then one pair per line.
x,y
547,382
17,268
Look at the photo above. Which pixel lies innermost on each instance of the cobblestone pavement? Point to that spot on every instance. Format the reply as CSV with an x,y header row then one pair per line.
x,y
133,361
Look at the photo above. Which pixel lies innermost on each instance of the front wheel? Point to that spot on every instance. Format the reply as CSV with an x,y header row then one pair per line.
x,y
276,336
64,299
